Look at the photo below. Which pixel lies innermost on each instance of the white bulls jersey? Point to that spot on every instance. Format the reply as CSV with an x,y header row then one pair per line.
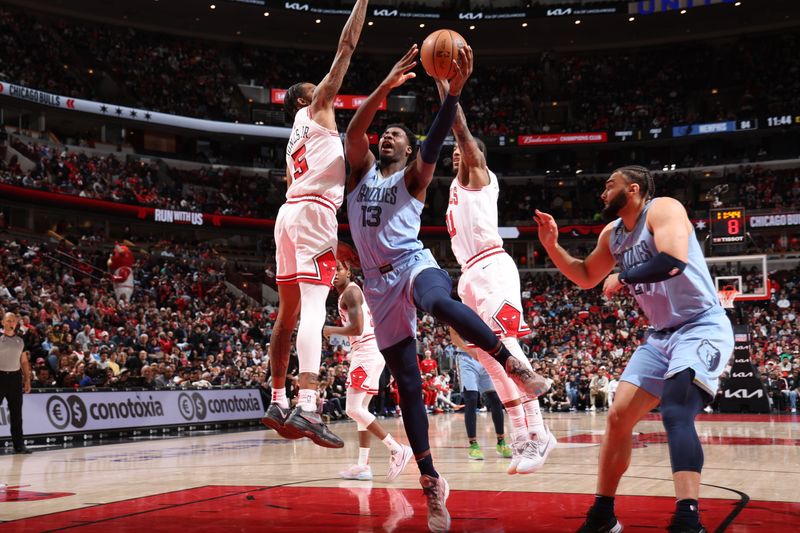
x,y
315,159
472,221
366,341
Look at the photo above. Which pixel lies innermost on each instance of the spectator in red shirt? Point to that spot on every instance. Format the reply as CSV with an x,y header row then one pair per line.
x,y
429,365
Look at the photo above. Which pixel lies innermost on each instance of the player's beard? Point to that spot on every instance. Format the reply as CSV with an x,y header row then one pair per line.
x,y
611,211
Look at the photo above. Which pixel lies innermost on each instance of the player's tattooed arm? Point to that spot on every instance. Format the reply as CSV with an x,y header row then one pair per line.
x,y
352,301
586,273
471,154
326,91
356,143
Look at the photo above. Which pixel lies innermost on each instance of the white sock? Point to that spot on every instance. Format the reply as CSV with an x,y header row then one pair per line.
x,y
519,429
533,415
391,444
307,399
363,456
279,397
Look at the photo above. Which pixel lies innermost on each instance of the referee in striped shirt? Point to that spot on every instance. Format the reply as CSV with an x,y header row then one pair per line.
x,y
15,377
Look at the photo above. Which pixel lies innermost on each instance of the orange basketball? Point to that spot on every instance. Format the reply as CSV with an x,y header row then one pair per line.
x,y
439,50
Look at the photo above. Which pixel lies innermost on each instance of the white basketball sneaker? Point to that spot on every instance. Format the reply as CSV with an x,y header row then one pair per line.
x,y
398,461
534,453
357,472
516,456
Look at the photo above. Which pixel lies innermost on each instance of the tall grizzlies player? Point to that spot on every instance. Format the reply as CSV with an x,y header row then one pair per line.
x,y
384,203
305,237
489,285
679,365
366,366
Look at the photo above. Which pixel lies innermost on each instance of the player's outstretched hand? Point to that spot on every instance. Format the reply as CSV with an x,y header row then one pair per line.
x,y
612,285
401,71
463,70
548,229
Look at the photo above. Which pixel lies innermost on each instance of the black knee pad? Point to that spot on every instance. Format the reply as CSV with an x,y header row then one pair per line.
x,y
493,401
681,401
401,359
470,398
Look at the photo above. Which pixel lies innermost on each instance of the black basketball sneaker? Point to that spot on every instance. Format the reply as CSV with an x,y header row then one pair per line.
x,y
275,418
310,424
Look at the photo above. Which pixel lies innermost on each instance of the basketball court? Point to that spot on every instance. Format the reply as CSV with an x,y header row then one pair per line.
x,y
256,481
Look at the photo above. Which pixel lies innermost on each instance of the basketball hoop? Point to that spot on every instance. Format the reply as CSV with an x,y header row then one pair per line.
x,y
727,295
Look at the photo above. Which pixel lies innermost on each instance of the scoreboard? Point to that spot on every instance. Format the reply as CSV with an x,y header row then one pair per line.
x,y
727,225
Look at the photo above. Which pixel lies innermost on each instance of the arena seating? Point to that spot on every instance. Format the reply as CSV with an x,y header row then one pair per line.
x,y
691,82
225,191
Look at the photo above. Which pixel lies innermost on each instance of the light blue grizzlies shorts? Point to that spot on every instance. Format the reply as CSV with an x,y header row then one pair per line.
x,y
390,298
705,344
473,375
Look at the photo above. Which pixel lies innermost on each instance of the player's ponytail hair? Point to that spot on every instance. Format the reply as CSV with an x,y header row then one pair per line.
x,y
640,176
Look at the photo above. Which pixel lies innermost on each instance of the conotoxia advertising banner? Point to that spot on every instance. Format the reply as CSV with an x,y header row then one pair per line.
x,y
47,413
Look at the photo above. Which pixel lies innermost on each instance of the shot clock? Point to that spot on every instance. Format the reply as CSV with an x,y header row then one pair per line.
x,y
727,225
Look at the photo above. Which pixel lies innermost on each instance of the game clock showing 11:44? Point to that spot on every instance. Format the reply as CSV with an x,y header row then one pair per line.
x,y
727,225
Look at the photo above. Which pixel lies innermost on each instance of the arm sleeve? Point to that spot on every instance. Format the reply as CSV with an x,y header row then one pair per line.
x,y
442,124
658,268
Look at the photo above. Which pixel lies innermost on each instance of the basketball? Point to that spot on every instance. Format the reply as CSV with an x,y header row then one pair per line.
x,y
438,51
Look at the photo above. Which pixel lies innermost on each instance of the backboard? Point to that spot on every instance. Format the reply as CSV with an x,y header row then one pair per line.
x,y
746,273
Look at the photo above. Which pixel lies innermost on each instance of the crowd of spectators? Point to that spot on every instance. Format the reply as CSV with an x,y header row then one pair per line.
x,y
547,92
183,329
139,181
221,190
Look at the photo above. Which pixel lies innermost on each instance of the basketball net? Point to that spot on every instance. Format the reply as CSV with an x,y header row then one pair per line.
x,y
727,295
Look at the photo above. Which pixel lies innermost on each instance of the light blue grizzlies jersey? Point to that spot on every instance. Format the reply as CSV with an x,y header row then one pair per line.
x,y
384,220
671,302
